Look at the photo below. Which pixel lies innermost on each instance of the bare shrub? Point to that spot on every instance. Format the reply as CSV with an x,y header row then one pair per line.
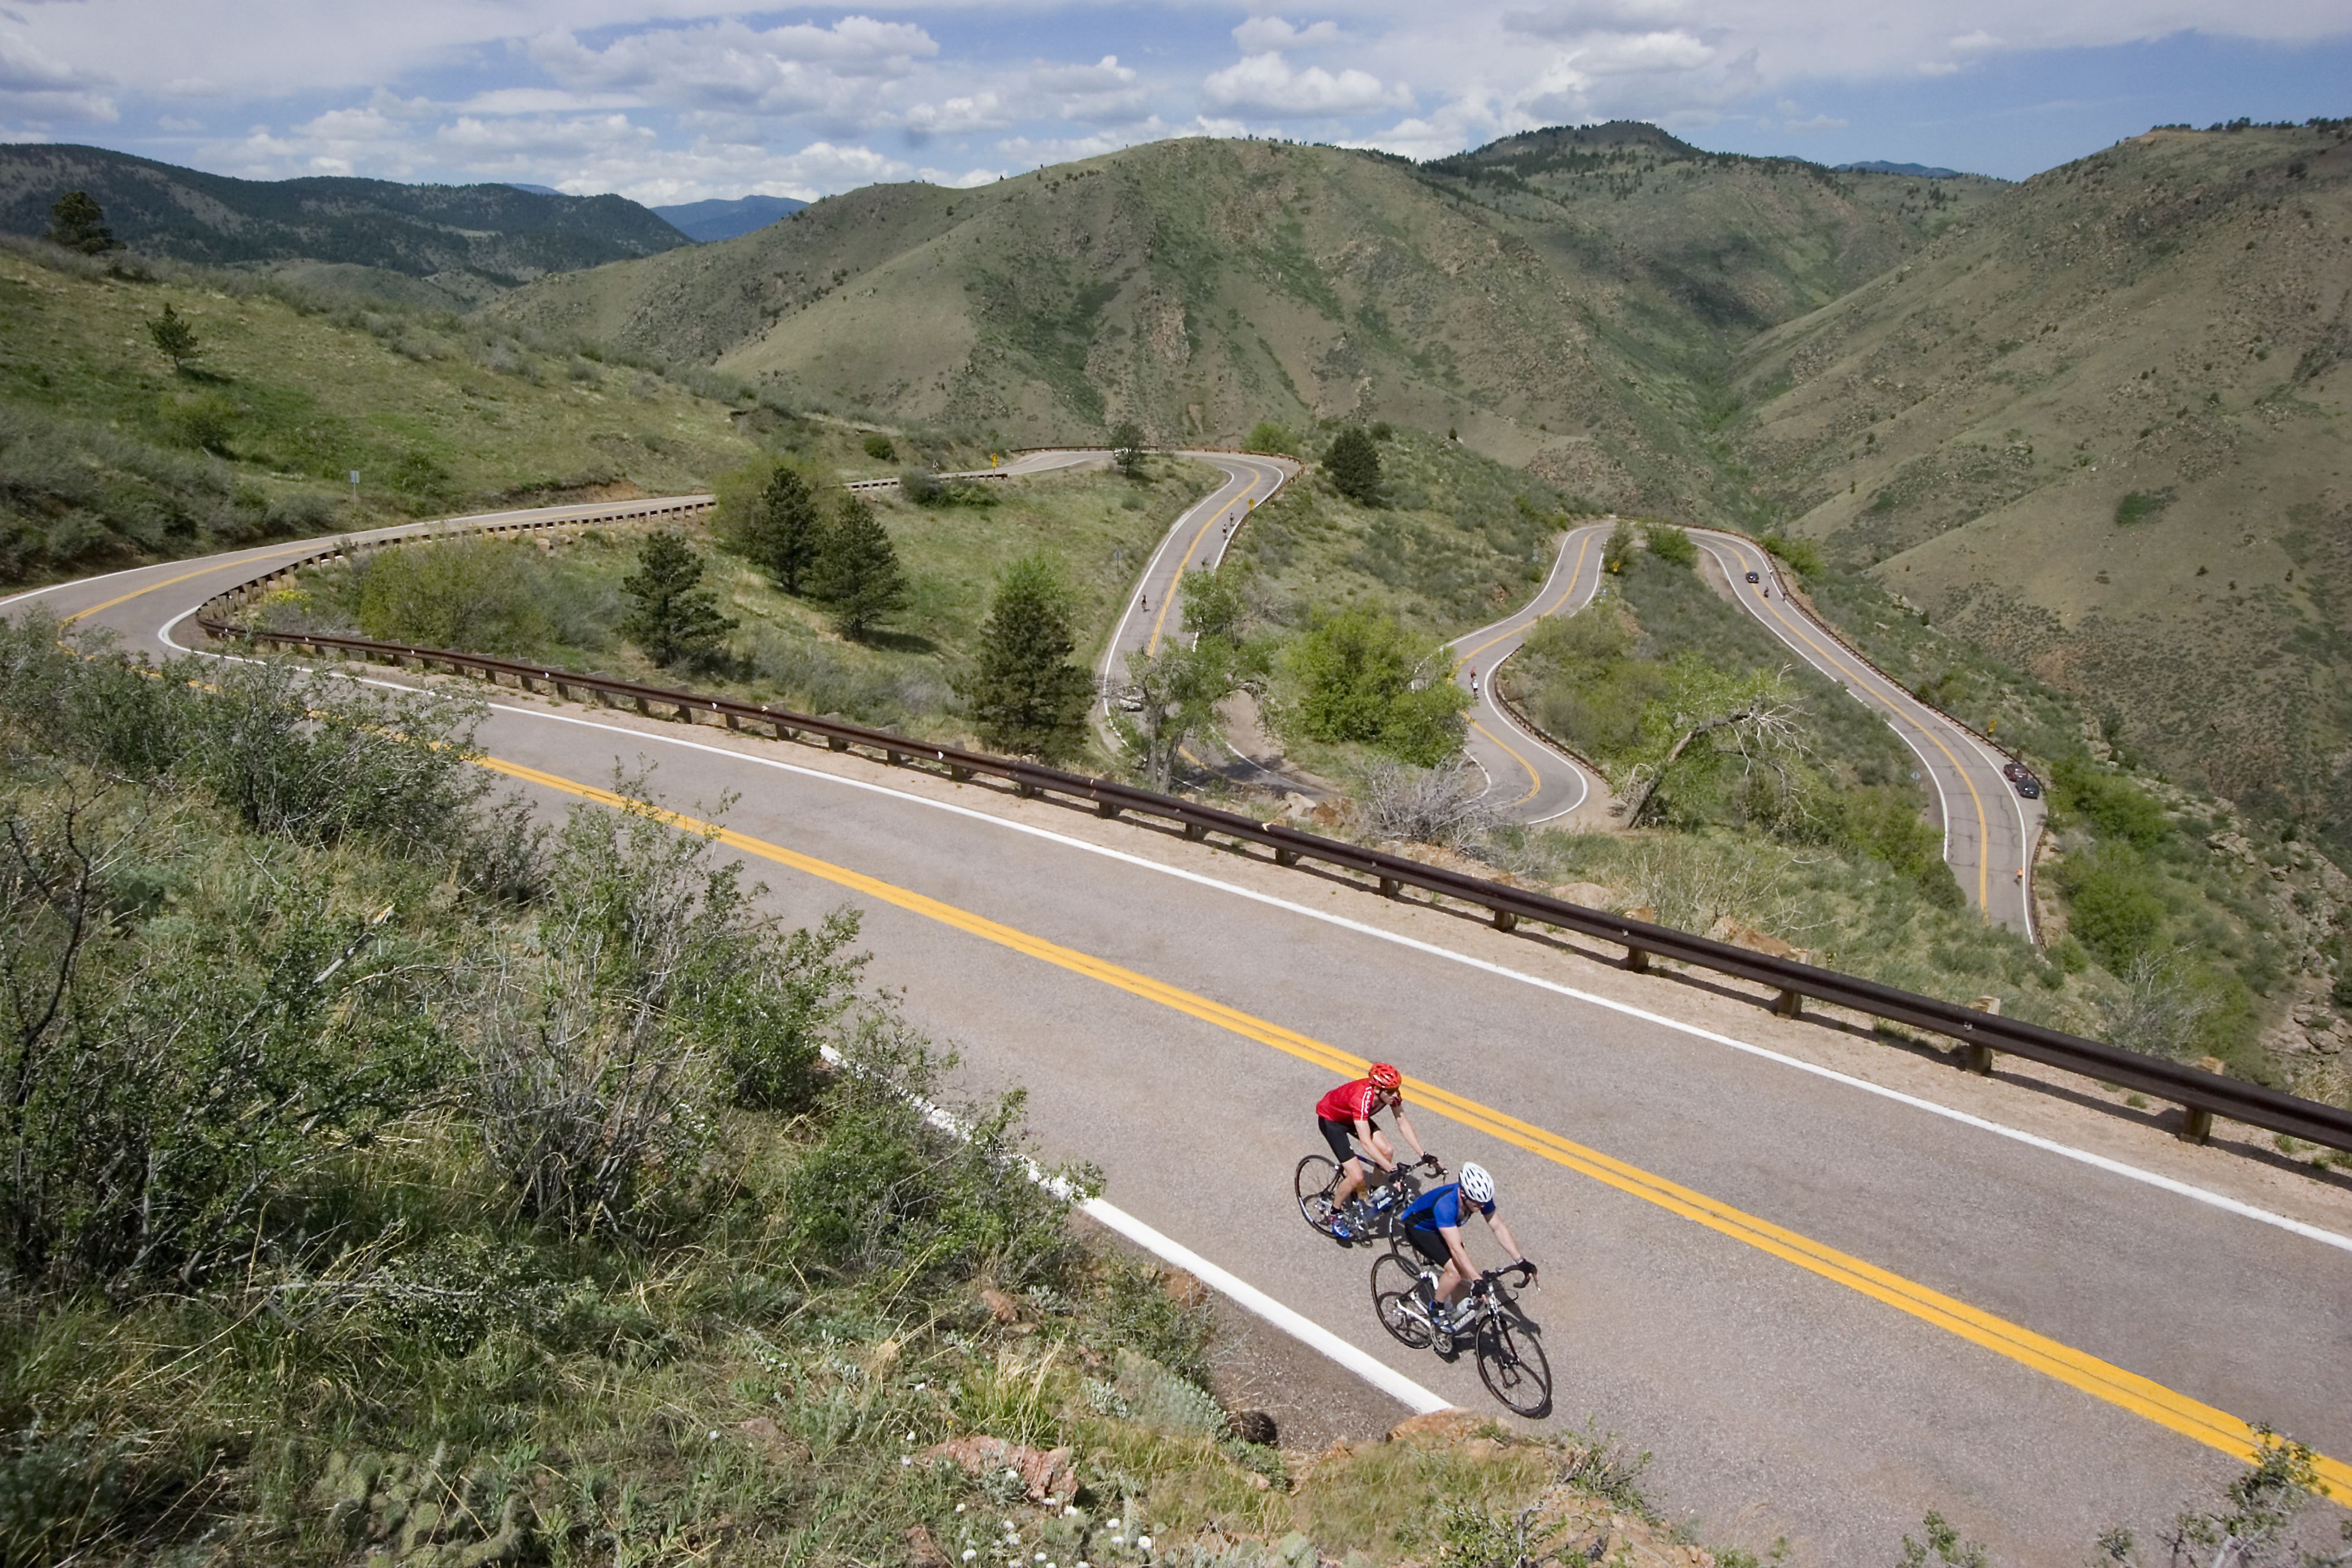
x,y
1693,884
1444,805
2156,1010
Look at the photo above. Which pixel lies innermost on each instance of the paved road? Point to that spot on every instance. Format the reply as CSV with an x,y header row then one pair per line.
x,y
1989,832
1528,780
1196,542
1826,1309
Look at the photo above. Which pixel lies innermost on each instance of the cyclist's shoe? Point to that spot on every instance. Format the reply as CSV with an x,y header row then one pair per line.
x,y
1340,1230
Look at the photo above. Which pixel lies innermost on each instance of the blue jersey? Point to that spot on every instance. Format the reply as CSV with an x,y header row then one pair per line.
x,y
1441,1207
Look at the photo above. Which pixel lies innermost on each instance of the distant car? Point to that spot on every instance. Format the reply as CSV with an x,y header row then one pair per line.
x,y
2015,772
1753,577
2029,787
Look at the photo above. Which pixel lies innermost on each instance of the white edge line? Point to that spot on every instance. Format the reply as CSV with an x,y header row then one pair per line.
x,y
2032,1140
1583,783
1300,1327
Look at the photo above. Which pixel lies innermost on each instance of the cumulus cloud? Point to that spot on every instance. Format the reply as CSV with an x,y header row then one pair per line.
x,y
1272,85
1583,16
35,87
795,69
1262,35
1103,93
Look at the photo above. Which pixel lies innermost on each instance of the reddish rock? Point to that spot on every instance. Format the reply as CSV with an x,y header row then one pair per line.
x,y
1045,1476
1001,1307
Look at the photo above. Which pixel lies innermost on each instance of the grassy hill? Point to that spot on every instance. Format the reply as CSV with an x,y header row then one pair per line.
x,y
109,457
472,239
2101,431
1560,303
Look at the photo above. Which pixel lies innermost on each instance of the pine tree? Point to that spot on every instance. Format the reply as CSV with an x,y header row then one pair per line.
x,y
857,570
1353,463
174,338
78,223
675,620
1126,448
783,529
1026,696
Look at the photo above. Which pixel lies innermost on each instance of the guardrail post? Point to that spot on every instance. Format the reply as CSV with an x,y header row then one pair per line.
x,y
1105,809
1195,832
1975,1056
2196,1125
1506,921
957,774
1637,959
1290,857
1787,1005
1389,887
834,743
643,708
893,758
733,721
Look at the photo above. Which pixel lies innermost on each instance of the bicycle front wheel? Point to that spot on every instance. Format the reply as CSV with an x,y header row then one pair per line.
x,y
1398,1303
1313,1181
1511,1364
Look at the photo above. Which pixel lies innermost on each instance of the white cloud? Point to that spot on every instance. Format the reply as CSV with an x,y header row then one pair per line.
x,y
789,70
1814,122
957,116
35,87
1270,86
1583,16
1264,35
1103,93
1980,39
1937,68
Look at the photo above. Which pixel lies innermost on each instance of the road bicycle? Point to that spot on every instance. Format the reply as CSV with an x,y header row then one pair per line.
x,y
1317,1177
1510,1351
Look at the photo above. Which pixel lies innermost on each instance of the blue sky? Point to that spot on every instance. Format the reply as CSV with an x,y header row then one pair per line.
x,y
669,100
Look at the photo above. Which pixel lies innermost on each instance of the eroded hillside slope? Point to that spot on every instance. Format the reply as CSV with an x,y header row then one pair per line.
x,y
2101,431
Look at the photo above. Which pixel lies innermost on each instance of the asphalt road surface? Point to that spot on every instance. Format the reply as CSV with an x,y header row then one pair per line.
x,y
1528,780
1829,1283
1990,831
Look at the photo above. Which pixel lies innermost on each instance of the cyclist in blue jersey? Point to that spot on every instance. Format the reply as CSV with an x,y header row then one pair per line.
x,y
1433,1224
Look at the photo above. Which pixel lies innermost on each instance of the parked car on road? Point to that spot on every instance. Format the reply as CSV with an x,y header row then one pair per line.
x,y
2015,772
2029,787
1753,577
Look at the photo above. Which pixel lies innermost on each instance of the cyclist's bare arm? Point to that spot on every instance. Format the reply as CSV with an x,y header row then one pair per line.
x,y
1463,1267
1503,1234
1404,1125
1369,1138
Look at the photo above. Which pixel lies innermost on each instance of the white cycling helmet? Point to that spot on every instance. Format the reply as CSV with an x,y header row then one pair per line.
x,y
1477,1184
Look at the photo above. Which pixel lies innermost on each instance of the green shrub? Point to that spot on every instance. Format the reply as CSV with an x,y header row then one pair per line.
x,y
206,421
1266,435
2114,906
487,596
1801,556
1360,677
878,447
2139,506
1670,544
2111,802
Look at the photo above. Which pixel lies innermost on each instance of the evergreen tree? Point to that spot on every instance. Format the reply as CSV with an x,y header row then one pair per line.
x,y
78,223
782,529
1126,447
174,338
1353,463
675,618
857,570
1026,696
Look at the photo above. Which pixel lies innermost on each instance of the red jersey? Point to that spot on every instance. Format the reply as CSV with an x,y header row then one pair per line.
x,y
1357,1101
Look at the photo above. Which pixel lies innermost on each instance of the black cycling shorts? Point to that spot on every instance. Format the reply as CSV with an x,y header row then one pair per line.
x,y
1429,1244
1340,1136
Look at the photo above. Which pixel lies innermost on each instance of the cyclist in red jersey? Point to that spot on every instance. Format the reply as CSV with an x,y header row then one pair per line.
x,y
1350,1111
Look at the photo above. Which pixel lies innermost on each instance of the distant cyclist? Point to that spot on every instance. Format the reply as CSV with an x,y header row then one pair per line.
x,y
1350,1112
1433,1224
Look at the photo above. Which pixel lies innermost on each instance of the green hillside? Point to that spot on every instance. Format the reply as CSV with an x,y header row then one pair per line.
x,y
471,239
107,456
1198,285
2102,432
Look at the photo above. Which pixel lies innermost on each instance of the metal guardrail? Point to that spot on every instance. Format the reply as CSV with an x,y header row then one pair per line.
x,y
2202,1095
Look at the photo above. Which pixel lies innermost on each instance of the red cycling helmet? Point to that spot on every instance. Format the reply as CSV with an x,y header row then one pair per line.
x,y
1384,1076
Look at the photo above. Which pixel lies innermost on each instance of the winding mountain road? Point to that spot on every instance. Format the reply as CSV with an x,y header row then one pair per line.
x,y
1990,831
1832,1283
1528,780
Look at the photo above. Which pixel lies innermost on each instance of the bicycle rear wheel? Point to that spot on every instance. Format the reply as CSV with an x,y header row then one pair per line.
x,y
1398,1304
1313,1181
1512,1365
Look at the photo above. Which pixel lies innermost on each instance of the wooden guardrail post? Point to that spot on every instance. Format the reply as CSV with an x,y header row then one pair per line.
x,y
1196,832
1390,887
1637,959
1787,1005
2196,1125
1975,1055
1506,921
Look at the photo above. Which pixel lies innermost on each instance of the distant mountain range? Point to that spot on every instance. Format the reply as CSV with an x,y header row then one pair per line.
x,y
1916,171
716,220
472,240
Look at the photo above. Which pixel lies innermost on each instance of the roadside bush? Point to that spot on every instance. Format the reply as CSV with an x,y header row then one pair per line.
x,y
1266,435
1359,676
1670,544
486,596
2111,803
1427,805
1884,822
1801,555
878,447
2114,907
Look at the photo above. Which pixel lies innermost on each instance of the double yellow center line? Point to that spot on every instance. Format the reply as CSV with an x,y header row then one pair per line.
x,y
2102,1380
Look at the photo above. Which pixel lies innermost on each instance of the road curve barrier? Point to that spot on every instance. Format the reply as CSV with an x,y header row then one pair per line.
x,y
2202,1095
